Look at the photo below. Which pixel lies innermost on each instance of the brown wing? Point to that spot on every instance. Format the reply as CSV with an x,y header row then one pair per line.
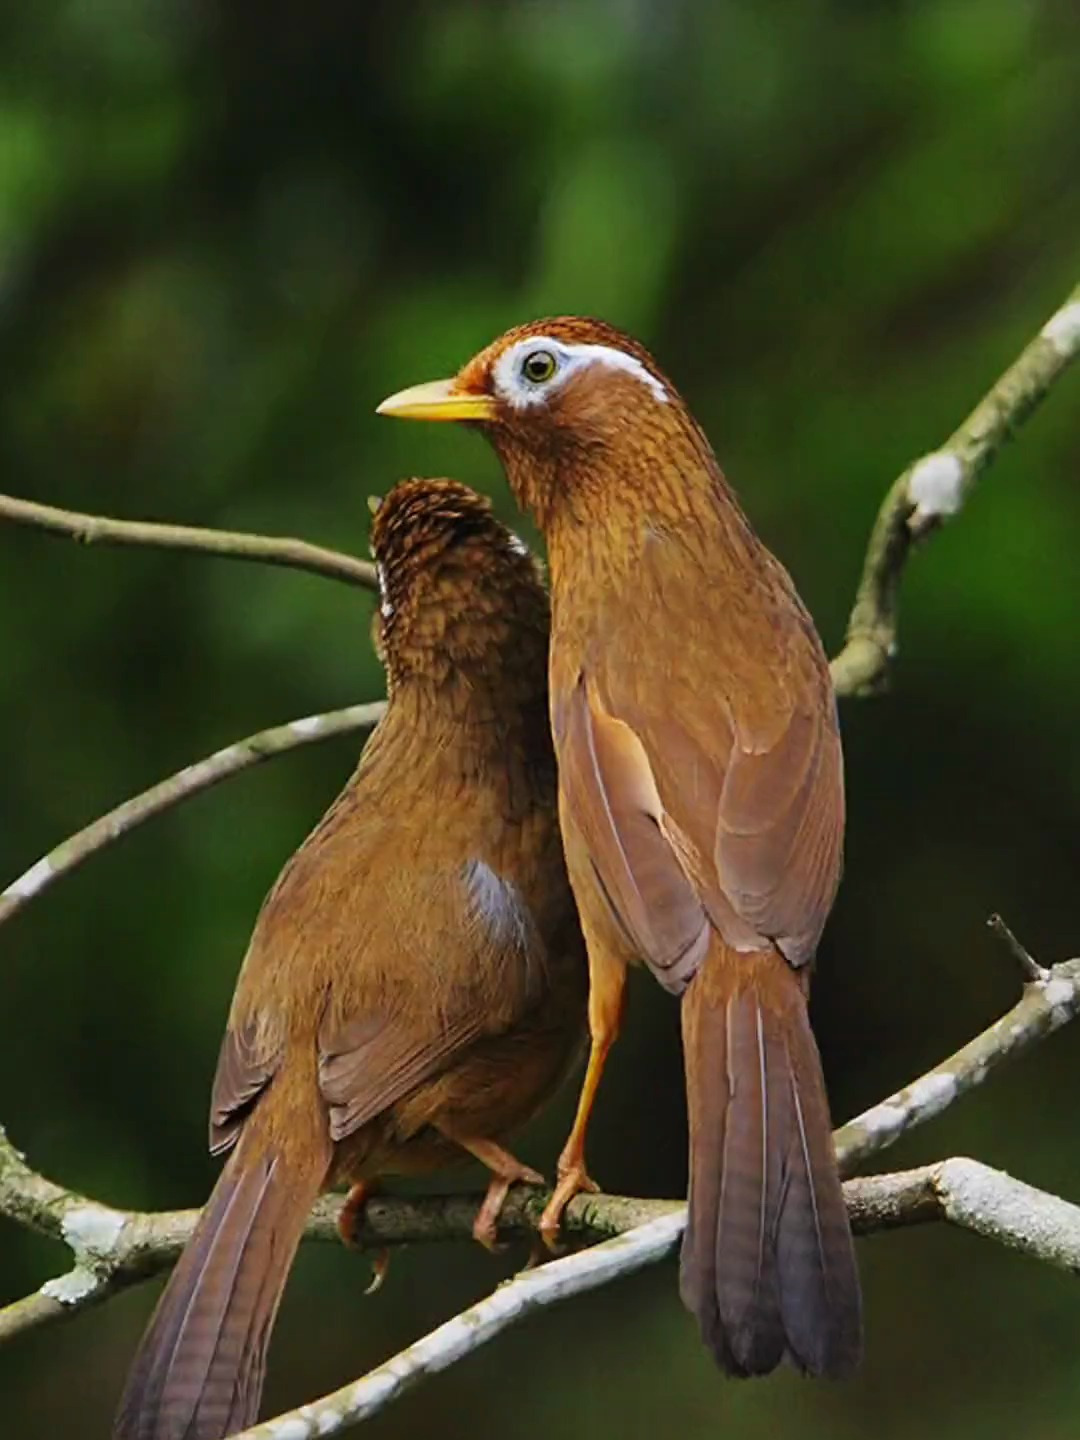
x,y
370,1060
388,1025
705,774
368,1064
609,790
245,1067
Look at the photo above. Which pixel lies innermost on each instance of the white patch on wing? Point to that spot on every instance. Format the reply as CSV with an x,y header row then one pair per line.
x,y
518,545
521,392
496,905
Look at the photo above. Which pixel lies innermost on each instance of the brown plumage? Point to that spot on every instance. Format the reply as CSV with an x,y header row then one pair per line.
x,y
415,985
701,798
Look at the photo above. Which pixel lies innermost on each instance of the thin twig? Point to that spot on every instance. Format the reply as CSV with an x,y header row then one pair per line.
x,y
231,545
934,488
1045,1006
71,853
927,493
1029,966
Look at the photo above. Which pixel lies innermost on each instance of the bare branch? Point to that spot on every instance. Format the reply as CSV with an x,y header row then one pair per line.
x,y
71,853
1045,1006
928,492
934,488
112,1249
971,1195
230,545
511,1302
959,1191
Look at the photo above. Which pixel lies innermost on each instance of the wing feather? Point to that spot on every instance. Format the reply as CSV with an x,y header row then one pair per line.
x,y
710,781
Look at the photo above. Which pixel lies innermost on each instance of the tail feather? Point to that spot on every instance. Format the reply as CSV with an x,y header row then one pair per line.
x,y
199,1369
768,1265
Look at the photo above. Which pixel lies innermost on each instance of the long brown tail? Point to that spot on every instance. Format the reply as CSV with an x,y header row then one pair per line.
x,y
768,1265
198,1372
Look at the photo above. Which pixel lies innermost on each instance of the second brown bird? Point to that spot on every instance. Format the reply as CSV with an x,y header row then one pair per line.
x,y
701,794
415,986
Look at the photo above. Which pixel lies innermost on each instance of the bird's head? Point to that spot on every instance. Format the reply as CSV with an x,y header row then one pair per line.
x,y
458,591
571,405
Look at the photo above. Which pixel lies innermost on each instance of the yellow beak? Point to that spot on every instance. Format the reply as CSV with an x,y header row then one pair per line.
x,y
437,400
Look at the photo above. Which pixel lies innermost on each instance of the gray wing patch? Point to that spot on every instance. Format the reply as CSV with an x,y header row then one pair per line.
x,y
501,920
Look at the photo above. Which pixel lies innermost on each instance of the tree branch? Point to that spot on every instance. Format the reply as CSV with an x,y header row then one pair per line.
x,y
959,1191
511,1302
71,853
266,549
113,1249
1045,1006
928,492
974,1197
934,488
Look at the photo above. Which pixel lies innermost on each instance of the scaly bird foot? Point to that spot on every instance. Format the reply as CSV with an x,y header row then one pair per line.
x,y
573,1180
486,1225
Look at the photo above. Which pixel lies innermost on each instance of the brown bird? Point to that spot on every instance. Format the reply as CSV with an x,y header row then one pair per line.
x,y
415,985
702,805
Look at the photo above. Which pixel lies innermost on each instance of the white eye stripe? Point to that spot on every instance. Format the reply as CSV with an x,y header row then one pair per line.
x,y
522,393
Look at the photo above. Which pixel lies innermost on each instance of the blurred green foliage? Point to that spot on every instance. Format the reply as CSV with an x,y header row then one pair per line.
x,y
227,230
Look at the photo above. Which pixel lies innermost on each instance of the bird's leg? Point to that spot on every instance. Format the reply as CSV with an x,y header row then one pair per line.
x,y
506,1170
349,1222
607,989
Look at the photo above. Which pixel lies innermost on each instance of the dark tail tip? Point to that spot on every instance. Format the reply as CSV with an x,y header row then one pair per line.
x,y
768,1266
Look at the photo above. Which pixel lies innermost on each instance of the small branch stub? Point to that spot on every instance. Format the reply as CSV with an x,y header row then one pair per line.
x,y
1029,967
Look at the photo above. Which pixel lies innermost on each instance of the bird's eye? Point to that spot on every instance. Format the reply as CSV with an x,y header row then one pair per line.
x,y
538,366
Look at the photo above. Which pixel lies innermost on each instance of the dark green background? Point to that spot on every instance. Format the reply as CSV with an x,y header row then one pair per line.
x,y
226,231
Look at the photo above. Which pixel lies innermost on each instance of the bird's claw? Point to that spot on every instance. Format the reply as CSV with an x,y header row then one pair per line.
x,y
380,1267
574,1179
